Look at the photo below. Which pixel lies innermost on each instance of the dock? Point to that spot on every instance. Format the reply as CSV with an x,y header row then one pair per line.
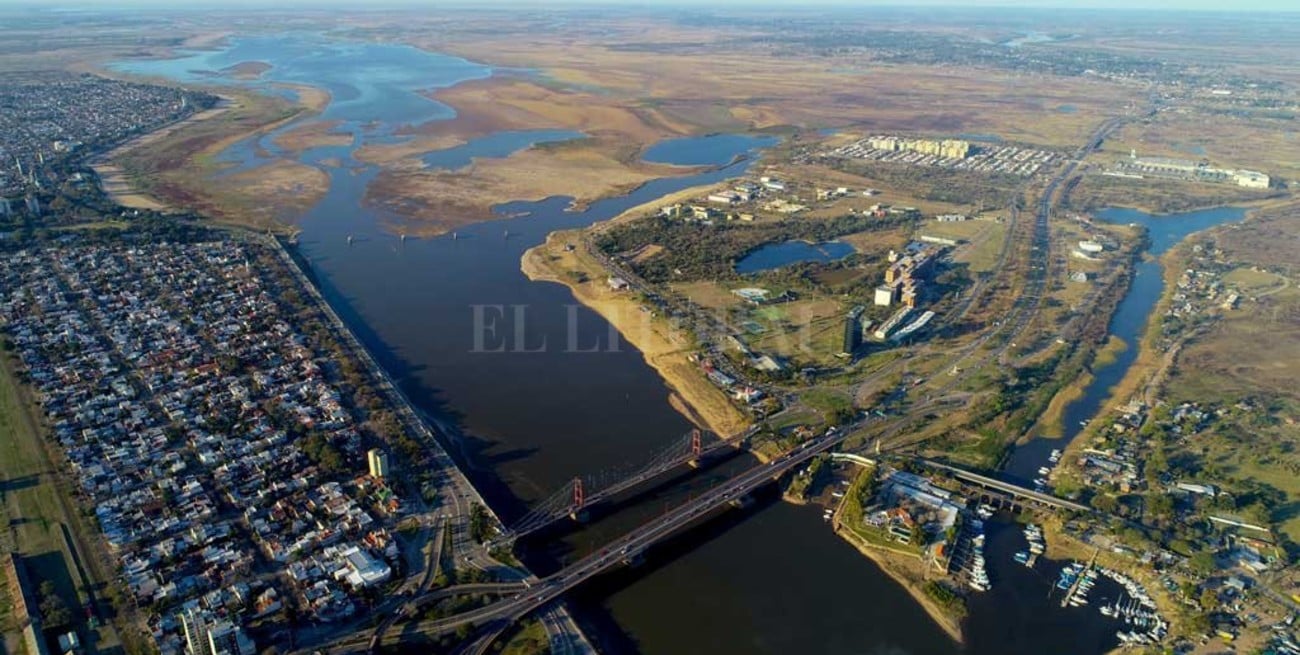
x,y
1074,587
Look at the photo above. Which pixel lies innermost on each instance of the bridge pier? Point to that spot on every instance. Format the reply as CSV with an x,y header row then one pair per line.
x,y
741,502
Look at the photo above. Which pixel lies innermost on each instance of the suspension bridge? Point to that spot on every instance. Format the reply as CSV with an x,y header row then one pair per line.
x,y
573,499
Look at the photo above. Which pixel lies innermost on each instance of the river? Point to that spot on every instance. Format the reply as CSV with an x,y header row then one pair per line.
x,y
1164,231
544,390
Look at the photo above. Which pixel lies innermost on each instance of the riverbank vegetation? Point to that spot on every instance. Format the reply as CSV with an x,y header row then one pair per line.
x,y
694,251
1156,196
181,169
1043,369
1247,362
806,480
1203,423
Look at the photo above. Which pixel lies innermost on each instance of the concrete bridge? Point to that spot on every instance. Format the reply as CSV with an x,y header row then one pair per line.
x,y
1016,491
852,458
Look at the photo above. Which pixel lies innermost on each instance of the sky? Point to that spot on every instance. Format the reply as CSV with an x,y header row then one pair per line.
x,y
1185,5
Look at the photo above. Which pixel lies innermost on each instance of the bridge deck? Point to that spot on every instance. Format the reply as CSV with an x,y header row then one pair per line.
x,y
1007,487
634,542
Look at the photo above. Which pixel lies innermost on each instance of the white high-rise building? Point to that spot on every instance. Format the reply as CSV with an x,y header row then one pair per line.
x,y
378,461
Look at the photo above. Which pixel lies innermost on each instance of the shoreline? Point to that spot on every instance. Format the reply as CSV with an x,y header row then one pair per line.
x,y
563,259
309,102
882,560
415,419
418,422
1150,366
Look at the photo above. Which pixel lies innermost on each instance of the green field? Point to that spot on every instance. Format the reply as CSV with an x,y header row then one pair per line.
x,y
826,400
33,507
530,639
982,252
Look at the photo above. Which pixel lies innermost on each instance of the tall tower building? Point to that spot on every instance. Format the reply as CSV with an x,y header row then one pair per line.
x,y
378,461
206,636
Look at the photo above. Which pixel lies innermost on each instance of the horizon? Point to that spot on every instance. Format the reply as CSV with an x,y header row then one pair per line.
x,y
1160,6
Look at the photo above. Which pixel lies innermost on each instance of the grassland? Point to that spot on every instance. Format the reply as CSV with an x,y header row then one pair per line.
x,y
1052,422
808,330
528,639
983,239
877,243
624,101
1248,354
691,77
314,134
588,80
119,185
805,330
1236,140
1158,196
179,169
434,201
1252,354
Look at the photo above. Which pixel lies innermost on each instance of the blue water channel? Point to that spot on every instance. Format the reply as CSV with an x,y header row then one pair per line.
x,y
1128,324
711,150
496,145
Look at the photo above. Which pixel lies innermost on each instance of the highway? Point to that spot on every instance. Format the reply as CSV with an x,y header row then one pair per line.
x,y
634,543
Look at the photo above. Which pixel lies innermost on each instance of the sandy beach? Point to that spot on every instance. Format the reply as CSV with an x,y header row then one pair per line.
x,y
664,346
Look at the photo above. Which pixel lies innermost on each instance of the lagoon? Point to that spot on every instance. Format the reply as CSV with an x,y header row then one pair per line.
x,y
711,150
777,255
496,145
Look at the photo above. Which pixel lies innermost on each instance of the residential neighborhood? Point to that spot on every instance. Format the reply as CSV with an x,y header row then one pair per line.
x,y
223,464
47,117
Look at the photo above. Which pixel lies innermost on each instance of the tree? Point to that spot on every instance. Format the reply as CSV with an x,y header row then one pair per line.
x,y
1209,599
1199,624
1202,563
54,612
1104,503
1160,505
